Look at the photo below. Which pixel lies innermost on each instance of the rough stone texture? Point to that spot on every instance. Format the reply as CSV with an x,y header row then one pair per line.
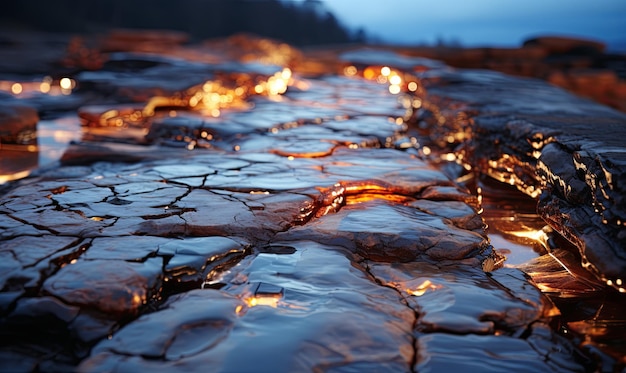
x,y
296,232
125,287
542,140
320,322
380,231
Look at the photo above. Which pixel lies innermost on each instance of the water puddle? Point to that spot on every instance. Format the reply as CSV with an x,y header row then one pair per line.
x,y
53,139
513,225
589,311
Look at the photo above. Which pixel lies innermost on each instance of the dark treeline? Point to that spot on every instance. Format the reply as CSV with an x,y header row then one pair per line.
x,y
301,23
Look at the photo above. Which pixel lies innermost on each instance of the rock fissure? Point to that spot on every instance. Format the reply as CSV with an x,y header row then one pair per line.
x,y
39,227
403,300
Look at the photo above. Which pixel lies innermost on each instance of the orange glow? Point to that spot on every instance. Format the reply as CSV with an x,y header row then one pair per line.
x,y
286,73
352,193
44,87
386,75
422,288
369,73
617,282
301,155
350,70
394,89
137,300
15,176
395,79
210,98
269,301
65,83
16,88
366,197
533,235
277,84
363,186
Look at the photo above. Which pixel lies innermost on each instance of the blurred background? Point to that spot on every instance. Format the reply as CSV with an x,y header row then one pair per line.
x,y
485,22
311,22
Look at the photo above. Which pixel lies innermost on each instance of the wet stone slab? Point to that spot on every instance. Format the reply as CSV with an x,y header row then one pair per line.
x,y
307,310
303,230
388,232
549,144
489,355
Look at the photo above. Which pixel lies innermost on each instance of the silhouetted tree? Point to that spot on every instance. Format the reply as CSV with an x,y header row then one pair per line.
x,y
308,22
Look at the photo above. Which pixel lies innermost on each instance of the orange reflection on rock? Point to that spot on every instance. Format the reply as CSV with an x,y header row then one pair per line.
x,y
559,273
255,301
239,309
539,236
138,300
265,294
368,191
602,330
356,192
397,80
366,197
249,48
120,117
5,178
422,288
292,155
228,91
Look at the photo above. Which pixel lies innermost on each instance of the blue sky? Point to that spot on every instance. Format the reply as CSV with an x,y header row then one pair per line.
x,y
484,22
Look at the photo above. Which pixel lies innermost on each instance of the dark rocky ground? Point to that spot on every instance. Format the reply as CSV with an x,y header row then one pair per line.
x,y
585,67
333,226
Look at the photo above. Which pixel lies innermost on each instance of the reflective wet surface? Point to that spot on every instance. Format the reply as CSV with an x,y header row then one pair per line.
x,y
215,212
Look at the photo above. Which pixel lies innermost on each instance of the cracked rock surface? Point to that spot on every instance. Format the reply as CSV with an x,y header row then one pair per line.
x,y
565,150
306,232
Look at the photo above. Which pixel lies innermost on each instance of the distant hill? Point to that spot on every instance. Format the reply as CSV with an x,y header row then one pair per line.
x,y
305,22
